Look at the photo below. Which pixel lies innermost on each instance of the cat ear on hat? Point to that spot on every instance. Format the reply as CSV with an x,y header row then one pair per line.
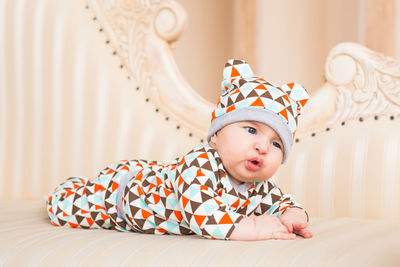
x,y
234,69
297,93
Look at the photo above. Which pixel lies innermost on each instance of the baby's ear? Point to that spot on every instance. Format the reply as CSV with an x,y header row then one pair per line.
x,y
213,141
234,69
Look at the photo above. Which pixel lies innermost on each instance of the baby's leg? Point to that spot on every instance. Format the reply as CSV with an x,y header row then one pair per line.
x,y
79,203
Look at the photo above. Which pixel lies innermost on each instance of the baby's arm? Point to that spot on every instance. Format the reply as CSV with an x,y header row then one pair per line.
x,y
295,220
260,228
290,213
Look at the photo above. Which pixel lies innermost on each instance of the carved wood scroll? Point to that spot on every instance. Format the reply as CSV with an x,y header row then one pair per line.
x,y
360,82
143,32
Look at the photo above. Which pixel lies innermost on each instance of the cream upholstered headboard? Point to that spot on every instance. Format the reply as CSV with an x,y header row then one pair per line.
x,y
83,84
346,159
86,83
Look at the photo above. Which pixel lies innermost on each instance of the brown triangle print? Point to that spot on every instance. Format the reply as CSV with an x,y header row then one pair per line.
x,y
289,108
241,82
75,209
230,102
266,94
275,198
62,222
79,219
239,97
194,205
207,166
280,101
237,62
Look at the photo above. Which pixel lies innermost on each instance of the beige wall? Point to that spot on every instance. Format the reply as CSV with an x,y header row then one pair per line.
x,y
292,38
206,45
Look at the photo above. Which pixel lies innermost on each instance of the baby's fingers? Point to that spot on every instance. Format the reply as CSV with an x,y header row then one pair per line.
x,y
283,236
304,233
288,226
299,226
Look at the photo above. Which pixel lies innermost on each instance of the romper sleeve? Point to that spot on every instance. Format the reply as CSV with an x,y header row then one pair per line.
x,y
274,202
199,198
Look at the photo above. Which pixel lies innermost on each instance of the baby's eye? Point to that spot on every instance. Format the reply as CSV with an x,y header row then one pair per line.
x,y
251,130
276,144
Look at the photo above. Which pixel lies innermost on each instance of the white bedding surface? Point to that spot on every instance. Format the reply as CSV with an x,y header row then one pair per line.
x,y
28,238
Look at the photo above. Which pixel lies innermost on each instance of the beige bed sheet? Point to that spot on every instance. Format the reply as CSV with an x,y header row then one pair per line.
x,y
28,238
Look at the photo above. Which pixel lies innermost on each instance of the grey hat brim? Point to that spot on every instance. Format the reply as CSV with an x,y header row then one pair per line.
x,y
260,115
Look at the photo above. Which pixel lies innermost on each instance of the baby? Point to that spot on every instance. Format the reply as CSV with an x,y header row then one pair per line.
x,y
213,190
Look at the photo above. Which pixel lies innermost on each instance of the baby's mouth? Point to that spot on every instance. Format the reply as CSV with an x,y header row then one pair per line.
x,y
254,164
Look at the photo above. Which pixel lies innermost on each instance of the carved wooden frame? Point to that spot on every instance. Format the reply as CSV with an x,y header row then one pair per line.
x,y
360,83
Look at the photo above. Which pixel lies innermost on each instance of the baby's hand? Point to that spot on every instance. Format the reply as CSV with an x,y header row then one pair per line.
x,y
295,220
260,228
270,227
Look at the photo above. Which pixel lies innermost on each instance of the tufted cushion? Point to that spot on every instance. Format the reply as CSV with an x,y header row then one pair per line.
x,y
337,242
350,170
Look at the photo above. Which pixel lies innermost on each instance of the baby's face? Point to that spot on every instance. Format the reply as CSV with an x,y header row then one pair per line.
x,y
250,151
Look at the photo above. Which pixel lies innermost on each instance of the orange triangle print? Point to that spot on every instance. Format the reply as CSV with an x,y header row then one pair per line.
x,y
257,103
167,192
303,102
235,92
152,186
236,204
185,201
178,215
125,168
145,214
226,219
261,86
90,221
234,72
73,225
140,192
290,85
180,181
199,219
156,198
114,186
231,108
98,187
286,98
203,187
97,207
105,217
139,177
284,114
199,173
203,155
110,171
69,192
246,203
212,118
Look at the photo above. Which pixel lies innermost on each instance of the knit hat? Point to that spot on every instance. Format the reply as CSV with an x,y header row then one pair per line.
x,y
246,97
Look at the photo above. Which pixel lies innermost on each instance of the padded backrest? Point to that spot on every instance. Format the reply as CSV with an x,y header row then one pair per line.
x,y
83,84
347,158
351,170
69,102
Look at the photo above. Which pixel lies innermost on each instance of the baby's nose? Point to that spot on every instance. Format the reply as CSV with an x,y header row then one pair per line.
x,y
261,147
